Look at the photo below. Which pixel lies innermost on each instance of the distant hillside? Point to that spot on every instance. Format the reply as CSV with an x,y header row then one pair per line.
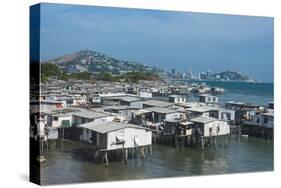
x,y
231,76
95,62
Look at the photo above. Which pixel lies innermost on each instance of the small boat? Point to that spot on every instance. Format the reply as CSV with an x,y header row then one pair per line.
x,y
244,135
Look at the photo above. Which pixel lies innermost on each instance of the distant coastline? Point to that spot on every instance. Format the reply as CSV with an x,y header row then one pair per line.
x,y
226,81
95,63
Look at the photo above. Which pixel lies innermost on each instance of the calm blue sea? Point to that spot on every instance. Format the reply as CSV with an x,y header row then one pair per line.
x,y
259,93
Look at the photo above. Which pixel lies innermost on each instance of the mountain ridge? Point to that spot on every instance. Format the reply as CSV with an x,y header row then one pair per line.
x,y
96,62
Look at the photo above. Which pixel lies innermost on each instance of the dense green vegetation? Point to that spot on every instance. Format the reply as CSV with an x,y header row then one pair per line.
x,y
133,77
76,76
52,70
107,76
136,76
49,69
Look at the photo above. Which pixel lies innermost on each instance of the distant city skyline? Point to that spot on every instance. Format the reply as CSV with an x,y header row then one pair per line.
x,y
165,39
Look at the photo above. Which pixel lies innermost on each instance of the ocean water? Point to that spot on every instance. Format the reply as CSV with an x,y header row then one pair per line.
x,y
241,155
259,93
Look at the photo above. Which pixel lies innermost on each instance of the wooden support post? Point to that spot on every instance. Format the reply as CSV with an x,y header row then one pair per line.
x,y
142,152
126,156
42,146
96,154
106,159
202,143
197,141
62,137
239,133
136,153
47,145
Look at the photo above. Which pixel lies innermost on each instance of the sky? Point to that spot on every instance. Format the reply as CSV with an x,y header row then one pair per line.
x,y
165,39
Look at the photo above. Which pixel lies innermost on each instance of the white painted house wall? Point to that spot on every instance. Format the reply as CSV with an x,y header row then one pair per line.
x,y
129,134
223,114
176,115
96,99
57,123
269,123
178,99
143,94
137,104
87,135
224,128
259,120
208,99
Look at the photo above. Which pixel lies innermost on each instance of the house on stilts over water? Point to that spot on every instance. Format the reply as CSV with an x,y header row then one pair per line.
x,y
110,140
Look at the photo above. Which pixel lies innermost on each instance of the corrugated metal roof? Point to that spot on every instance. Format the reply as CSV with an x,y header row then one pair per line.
x,y
108,126
177,96
203,119
161,110
158,103
203,109
89,114
186,123
130,99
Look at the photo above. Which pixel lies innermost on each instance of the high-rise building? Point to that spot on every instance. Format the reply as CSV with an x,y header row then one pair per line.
x,y
189,74
173,71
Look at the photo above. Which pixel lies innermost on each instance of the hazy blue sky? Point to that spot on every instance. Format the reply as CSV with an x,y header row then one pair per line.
x,y
166,39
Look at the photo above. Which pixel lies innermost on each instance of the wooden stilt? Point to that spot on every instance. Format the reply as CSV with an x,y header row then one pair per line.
x,y
47,145
202,143
96,154
62,137
126,156
142,152
215,140
42,145
136,153
150,147
106,159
